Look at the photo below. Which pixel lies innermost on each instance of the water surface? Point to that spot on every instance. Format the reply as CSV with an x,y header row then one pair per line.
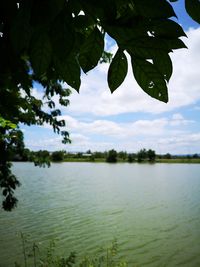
x,y
152,210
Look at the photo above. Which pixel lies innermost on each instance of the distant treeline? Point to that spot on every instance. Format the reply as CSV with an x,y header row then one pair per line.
x,y
45,157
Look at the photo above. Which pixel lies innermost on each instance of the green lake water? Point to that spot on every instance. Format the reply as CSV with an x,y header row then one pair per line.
x,y
153,210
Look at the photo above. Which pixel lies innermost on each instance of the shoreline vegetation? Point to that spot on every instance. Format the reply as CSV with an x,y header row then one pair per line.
x,y
34,255
176,160
111,156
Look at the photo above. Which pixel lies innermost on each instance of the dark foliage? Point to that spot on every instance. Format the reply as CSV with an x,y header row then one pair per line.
x,y
57,156
112,156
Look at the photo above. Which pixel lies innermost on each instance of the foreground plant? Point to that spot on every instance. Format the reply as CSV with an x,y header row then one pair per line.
x,y
33,257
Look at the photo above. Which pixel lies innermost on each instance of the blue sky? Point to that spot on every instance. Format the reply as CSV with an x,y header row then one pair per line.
x,y
129,119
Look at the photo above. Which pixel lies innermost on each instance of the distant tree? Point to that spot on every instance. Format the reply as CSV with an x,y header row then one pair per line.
x,y
57,156
131,158
142,155
112,156
100,155
195,156
79,155
151,155
122,155
167,156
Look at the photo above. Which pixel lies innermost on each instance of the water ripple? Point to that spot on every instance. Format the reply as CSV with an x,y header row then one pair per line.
x,y
153,211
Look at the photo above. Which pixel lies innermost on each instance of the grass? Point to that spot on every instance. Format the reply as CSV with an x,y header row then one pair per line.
x,y
178,160
32,257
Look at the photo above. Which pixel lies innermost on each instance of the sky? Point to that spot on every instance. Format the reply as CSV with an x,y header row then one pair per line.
x,y
129,119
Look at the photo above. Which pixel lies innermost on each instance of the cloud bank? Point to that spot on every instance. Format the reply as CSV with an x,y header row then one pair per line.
x,y
95,117
184,87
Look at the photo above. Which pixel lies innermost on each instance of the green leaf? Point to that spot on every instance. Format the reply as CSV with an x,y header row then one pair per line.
x,y
117,70
174,44
44,12
166,28
154,8
193,9
149,43
69,71
163,63
124,34
149,79
147,47
11,125
82,22
2,122
75,7
53,7
160,59
92,50
20,32
7,124
93,8
41,52
63,37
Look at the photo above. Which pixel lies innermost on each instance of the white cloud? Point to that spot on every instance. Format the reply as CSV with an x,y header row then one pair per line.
x,y
164,134
184,87
50,144
183,143
79,138
178,119
122,130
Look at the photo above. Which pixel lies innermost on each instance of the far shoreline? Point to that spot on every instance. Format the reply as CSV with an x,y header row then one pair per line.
x,y
170,161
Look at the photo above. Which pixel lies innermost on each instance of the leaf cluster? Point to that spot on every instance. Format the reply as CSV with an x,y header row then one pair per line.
x,y
11,140
55,40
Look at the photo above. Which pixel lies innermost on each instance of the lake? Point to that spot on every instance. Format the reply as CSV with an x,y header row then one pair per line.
x,y
153,210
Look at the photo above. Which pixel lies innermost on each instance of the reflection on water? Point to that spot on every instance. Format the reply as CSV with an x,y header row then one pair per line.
x,y
152,210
